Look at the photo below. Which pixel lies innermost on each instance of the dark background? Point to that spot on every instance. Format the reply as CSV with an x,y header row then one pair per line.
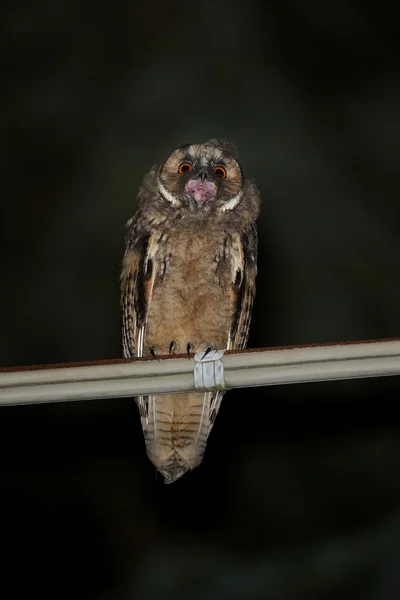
x,y
305,503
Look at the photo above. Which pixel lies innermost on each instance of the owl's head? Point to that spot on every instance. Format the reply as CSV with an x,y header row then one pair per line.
x,y
202,177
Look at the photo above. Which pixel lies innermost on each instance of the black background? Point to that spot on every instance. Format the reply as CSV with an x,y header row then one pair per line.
x,y
299,492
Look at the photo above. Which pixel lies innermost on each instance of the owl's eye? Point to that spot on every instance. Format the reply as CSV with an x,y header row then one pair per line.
x,y
185,167
220,172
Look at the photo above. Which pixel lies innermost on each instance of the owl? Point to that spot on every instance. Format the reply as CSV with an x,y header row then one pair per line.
x,y
187,285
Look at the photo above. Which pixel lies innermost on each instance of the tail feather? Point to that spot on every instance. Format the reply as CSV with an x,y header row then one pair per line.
x,y
172,474
176,431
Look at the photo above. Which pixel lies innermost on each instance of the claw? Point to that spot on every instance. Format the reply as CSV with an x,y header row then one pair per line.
x,y
153,353
189,349
172,347
208,349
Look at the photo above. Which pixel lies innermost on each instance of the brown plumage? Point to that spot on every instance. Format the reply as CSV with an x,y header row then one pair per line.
x,y
188,283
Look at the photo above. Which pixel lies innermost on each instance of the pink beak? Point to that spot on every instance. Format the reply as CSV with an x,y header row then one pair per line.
x,y
200,190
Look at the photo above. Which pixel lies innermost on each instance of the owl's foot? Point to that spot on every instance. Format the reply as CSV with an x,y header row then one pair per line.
x,y
189,349
172,347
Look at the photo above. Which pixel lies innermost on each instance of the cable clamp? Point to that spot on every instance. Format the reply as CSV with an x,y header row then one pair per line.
x,y
209,370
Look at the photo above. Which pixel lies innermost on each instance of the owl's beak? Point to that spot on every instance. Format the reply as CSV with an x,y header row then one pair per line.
x,y
201,189
202,176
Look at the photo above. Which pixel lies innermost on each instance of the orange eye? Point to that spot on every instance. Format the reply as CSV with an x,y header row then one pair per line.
x,y
185,167
220,172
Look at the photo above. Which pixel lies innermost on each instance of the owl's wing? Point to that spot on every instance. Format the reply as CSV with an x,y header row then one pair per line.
x,y
130,327
139,272
244,271
137,281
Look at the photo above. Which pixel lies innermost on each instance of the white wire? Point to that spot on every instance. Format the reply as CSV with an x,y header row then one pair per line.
x,y
169,375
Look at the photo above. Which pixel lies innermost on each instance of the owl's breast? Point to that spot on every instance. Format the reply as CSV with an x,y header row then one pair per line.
x,y
191,300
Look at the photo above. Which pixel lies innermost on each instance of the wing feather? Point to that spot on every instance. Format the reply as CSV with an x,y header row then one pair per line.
x,y
244,271
129,317
137,281
138,277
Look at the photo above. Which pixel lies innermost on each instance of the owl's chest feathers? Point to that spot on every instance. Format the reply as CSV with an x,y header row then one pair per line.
x,y
195,260
191,299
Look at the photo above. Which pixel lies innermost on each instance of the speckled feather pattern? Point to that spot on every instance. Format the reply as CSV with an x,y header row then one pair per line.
x,y
188,278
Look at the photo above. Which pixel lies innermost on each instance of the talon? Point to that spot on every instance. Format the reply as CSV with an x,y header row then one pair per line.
x,y
172,347
189,349
153,353
208,349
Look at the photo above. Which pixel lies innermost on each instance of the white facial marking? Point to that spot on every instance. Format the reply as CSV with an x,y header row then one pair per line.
x,y
167,195
232,203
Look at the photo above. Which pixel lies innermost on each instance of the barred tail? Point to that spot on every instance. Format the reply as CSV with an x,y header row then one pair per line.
x,y
177,429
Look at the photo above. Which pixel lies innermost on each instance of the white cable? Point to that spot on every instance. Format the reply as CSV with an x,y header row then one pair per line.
x,y
169,375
